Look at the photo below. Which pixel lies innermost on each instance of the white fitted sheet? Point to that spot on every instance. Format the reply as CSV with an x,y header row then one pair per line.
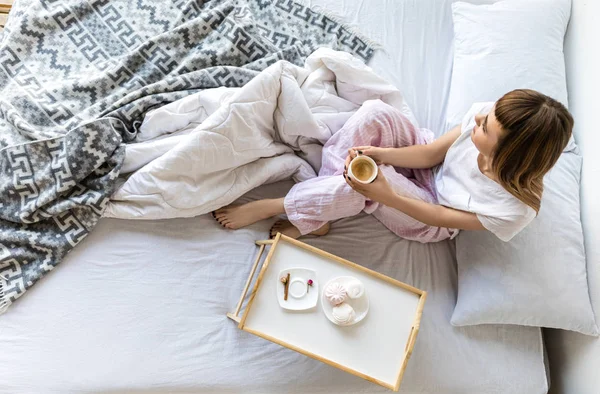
x,y
139,307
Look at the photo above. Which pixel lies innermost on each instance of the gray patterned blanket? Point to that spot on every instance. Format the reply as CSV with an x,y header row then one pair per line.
x,y
77,78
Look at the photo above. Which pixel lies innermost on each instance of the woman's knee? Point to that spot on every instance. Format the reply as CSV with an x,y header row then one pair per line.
x,y
377,109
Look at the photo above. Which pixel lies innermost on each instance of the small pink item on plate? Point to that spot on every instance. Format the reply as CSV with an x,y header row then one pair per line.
x,y
335,293
343,314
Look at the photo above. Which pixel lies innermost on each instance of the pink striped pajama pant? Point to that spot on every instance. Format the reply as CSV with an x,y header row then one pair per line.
x,y
312,203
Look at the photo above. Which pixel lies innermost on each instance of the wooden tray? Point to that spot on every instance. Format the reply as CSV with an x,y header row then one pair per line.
x,y
376,349
5,6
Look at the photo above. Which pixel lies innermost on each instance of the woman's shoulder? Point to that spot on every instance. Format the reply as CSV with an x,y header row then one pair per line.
x,y
506,216
506,202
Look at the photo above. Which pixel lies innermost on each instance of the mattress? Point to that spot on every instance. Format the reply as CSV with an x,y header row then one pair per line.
x,y
140,306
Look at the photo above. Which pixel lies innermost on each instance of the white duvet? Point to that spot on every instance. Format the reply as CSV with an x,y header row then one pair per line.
x,y
202,152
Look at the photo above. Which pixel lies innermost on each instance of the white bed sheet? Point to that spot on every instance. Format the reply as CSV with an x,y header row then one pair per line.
x,y
139,307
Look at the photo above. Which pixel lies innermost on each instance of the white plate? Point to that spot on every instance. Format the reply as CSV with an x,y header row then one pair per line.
x,y
360,305
300,297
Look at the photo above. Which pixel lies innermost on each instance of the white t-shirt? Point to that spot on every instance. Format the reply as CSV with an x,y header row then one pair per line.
x,y
461,185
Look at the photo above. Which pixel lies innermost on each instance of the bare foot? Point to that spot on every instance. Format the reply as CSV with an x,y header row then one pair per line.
x,y
238,216
286,228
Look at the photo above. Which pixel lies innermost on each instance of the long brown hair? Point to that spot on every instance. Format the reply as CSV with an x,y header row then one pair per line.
x,y
535,130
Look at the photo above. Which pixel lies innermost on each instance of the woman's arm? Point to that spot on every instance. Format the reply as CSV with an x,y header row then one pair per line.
x,y
435,215
430,214
416,156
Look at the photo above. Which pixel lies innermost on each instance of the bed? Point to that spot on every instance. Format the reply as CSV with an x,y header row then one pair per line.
x,y
151,317
147,312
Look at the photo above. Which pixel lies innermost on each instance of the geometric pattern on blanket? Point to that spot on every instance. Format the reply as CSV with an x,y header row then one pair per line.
x,y
76,80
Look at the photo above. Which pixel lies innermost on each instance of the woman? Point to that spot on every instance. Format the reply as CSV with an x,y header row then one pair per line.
x,y
490,174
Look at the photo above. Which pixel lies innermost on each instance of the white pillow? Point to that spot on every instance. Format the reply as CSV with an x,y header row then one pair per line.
x,y
508,45
538,278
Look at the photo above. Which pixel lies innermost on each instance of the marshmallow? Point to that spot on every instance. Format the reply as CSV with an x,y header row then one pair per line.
x,y
343,314
335,293
355,289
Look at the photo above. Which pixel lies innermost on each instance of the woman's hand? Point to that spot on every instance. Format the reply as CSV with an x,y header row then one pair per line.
x,y
379,190
373,152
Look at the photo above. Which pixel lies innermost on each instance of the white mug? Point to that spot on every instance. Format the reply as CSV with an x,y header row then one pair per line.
x,y
364,160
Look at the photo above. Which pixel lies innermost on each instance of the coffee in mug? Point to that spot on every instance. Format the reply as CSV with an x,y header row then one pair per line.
x,y
363,169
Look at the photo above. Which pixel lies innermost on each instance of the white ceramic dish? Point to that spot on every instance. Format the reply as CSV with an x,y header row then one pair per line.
x,y
360,305
300,296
